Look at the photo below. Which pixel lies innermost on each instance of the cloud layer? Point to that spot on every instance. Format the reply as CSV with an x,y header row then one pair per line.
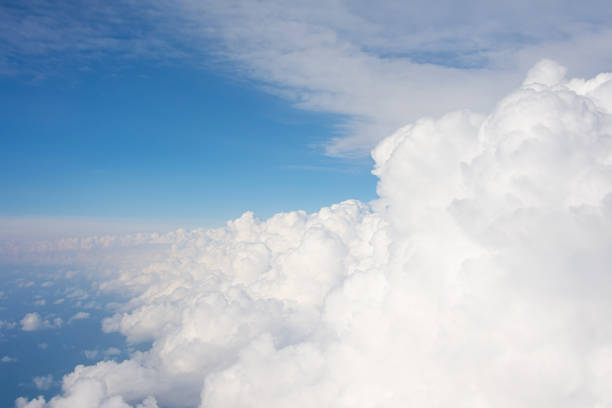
x,y
479,278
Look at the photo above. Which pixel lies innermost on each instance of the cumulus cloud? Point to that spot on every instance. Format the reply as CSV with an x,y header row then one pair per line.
x,y
38,402
480,277
33,321
7,359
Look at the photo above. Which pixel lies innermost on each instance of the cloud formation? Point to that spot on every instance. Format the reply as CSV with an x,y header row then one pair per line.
x,y
33,321
479,278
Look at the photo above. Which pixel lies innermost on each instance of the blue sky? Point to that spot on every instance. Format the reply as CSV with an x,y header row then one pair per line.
x,y
165,144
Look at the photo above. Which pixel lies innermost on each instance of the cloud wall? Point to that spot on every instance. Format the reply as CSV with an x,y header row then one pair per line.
x,y
479,278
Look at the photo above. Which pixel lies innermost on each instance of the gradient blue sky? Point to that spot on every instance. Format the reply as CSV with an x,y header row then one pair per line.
x,y
164,143
190,113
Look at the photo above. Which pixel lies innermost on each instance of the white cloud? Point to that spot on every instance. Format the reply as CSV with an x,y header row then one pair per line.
x,y
79,316
7,359
38,402
404,61
43,382
33,321
90,354
480,277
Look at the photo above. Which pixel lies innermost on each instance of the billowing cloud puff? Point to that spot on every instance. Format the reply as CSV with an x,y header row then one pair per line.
x,y
31,322
479,278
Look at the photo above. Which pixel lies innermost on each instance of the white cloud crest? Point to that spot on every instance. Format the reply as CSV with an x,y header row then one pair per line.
x,y
479,278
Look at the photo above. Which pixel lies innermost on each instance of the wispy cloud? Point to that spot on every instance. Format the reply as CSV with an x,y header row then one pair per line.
x,y
378,69
43,382
79,316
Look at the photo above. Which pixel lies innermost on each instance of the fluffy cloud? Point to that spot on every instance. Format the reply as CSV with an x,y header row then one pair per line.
x,y
38,402
33,321
480,277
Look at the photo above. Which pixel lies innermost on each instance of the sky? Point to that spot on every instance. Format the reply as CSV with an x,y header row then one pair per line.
x,y
173,144
223,204
190,113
